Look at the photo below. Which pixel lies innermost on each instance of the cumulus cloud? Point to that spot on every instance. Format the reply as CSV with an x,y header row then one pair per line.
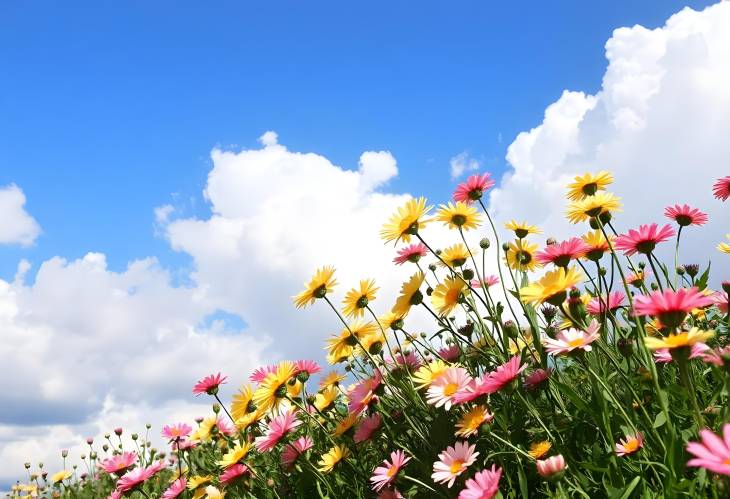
x,y
461,163
16,225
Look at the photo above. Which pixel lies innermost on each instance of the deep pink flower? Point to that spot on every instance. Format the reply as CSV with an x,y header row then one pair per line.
x,y
386,474
450,353
473,188
411,253
721,188
175,489
179,430
570,340
277,428
209,384
136,477
484,485
669,306
118,464
260,373
307,366
293,450
713,452
487,282
664,356
367,427
115,495
684,215
362,394
560,254
453,462
410,359
550,466
233,472
630,444
643,240
537,377
598,305
503,375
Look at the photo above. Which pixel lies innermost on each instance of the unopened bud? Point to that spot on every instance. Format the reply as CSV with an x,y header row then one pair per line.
x,y
468,274
484,243
216,408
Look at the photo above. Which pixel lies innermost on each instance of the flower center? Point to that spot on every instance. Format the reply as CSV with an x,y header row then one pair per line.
x,y
450,389
645,247
726,461
457,467
575,343
521,233
632,445
392,471
458,219
590,189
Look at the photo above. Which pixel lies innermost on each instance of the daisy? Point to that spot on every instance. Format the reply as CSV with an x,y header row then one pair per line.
x,y
133,479
390,494
232,473
588,184
679,340
442,391
460,216
520,255
597,244
713,452
446,296
453,462
175,489
367,427
209,384
473,188
503,375
325,398
234,455
718,357
724,247
357,299
561,254
293,450
333,456
118,464
340,346
410,360
551,466
636,279
450,353
599,305
684,215
539,449
522,229
643,240
486,283
212,492
273,388
721,300
630,444
484,485
276,429
372,343
599,205
536,378
671,307
176,431
260,373
346,423
427,374
332,379
471,421
361,395
196,481
318,287
61,476
243,410
664,355
406,222
454,256
412,253
573,340
410,294
721,188
552,287
386,474
307,367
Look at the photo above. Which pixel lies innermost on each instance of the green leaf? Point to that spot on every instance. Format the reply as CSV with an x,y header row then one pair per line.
x,y
659,420
630,488
701,283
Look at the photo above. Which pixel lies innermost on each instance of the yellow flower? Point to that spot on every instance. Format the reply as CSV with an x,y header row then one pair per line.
x,y
724,247
427,374
679,340
326,397
406,222
234,455
332,379
357,299
454,256
539,449
588,184
391,320
471,421
196,481
204,430
321,284
294,389
273,388
598,244
213,493
447,294
332,457
521,256
340,347
242,404
593,206
522,229
552,287
60,476
459,216
372,342
410,294
346,423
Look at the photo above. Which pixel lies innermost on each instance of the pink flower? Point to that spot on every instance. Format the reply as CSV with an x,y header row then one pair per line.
x,y
560,254
176,431
362,394
550,466
536,378
721,300
484,485
115,495
643,240
453,462
209,384
671,306
450,353
570,340
487,282
390,494
307,366
233,472
386,474
410,359
411,253
175,489
598,305
224,426
118,464
721,188
295,449
503,375
684,215
367,427
260,373
630,444
664,356
444,389
714,452
183,444
135,478
277,428
474,188
717,357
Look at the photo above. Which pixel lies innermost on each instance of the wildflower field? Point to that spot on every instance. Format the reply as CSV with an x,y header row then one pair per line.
x,y
577,368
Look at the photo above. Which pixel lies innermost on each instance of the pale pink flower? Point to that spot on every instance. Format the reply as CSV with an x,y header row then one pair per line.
x,y
277,428
412,253
713,452
684,215
643,240
550,466
115,495
536,378
560,254
293,450
386,474
449,353
260,373
487,282
721,300
697,350
233,472
721,188
361,395
484,485
118,464
570,340
443,389
179,430
473,188
453,462
630,444
600,305
716,356
135,478
367,427
183,444
175,489
224,426
209,384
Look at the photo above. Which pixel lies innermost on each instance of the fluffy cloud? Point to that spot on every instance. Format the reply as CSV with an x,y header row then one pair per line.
x,y
660,123
16,225
461,163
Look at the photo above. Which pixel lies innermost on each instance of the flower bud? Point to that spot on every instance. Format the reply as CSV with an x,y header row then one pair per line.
x,y
602,271
680,270
432,267
118,432
692,269
89,440
216,408
551,468
505,246
550,241
64,453
135,436
726,286
484,243
468,274
510,329
27,466
625,346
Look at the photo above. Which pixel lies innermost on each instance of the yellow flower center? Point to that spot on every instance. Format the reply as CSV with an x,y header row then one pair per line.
x,y
450,389
457,467
726,461
631,445
391,471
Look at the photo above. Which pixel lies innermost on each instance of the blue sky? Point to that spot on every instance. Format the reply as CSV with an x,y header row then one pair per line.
x,y
109,109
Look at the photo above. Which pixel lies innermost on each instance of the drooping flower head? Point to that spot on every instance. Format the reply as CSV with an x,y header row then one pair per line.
x,y
209,384
412,253
520,255
472,420
552,288
358,298
643,240
522,229
386,473
293,450
367,427
588,184
551,466
276,429
684,215
459,216
447,295
671,307
453,462
444,389
333,456
119,464
572,340
603,304
406,222
713,452
560,254
322,283
233,473
473,188
721,188
600,206
410,294
176,431
484,485
630,444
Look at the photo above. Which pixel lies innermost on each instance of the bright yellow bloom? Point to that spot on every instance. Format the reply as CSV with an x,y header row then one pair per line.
x,y
598,244
60,476
459,215
471,421
234,455
679,340
410,294
406,222
242,404
357,299
552,287
273,388
593,206
588,184
521,256
324,399
446,296
321,284
372,342
196,481
204,430
539,449
294,389
454,256
391,320
332,379
340,347
522,229
724,247
427,374
345,424
332,457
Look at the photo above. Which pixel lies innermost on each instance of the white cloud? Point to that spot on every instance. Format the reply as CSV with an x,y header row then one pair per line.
x,y
461,163
16,225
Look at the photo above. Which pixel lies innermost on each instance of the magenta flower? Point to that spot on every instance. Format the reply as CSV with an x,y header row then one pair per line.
x,y
536,378
133,479
277,428
233,472
176,431
598,305
307,366
721,188
209,384
684,215
118,464
473,188
713,452
453,462
295,449
572,340
260,373
484,485
449,353
410,359
503,375
669,306
367,427
551,466
643,240
175,489
412,253
560,254
386,474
